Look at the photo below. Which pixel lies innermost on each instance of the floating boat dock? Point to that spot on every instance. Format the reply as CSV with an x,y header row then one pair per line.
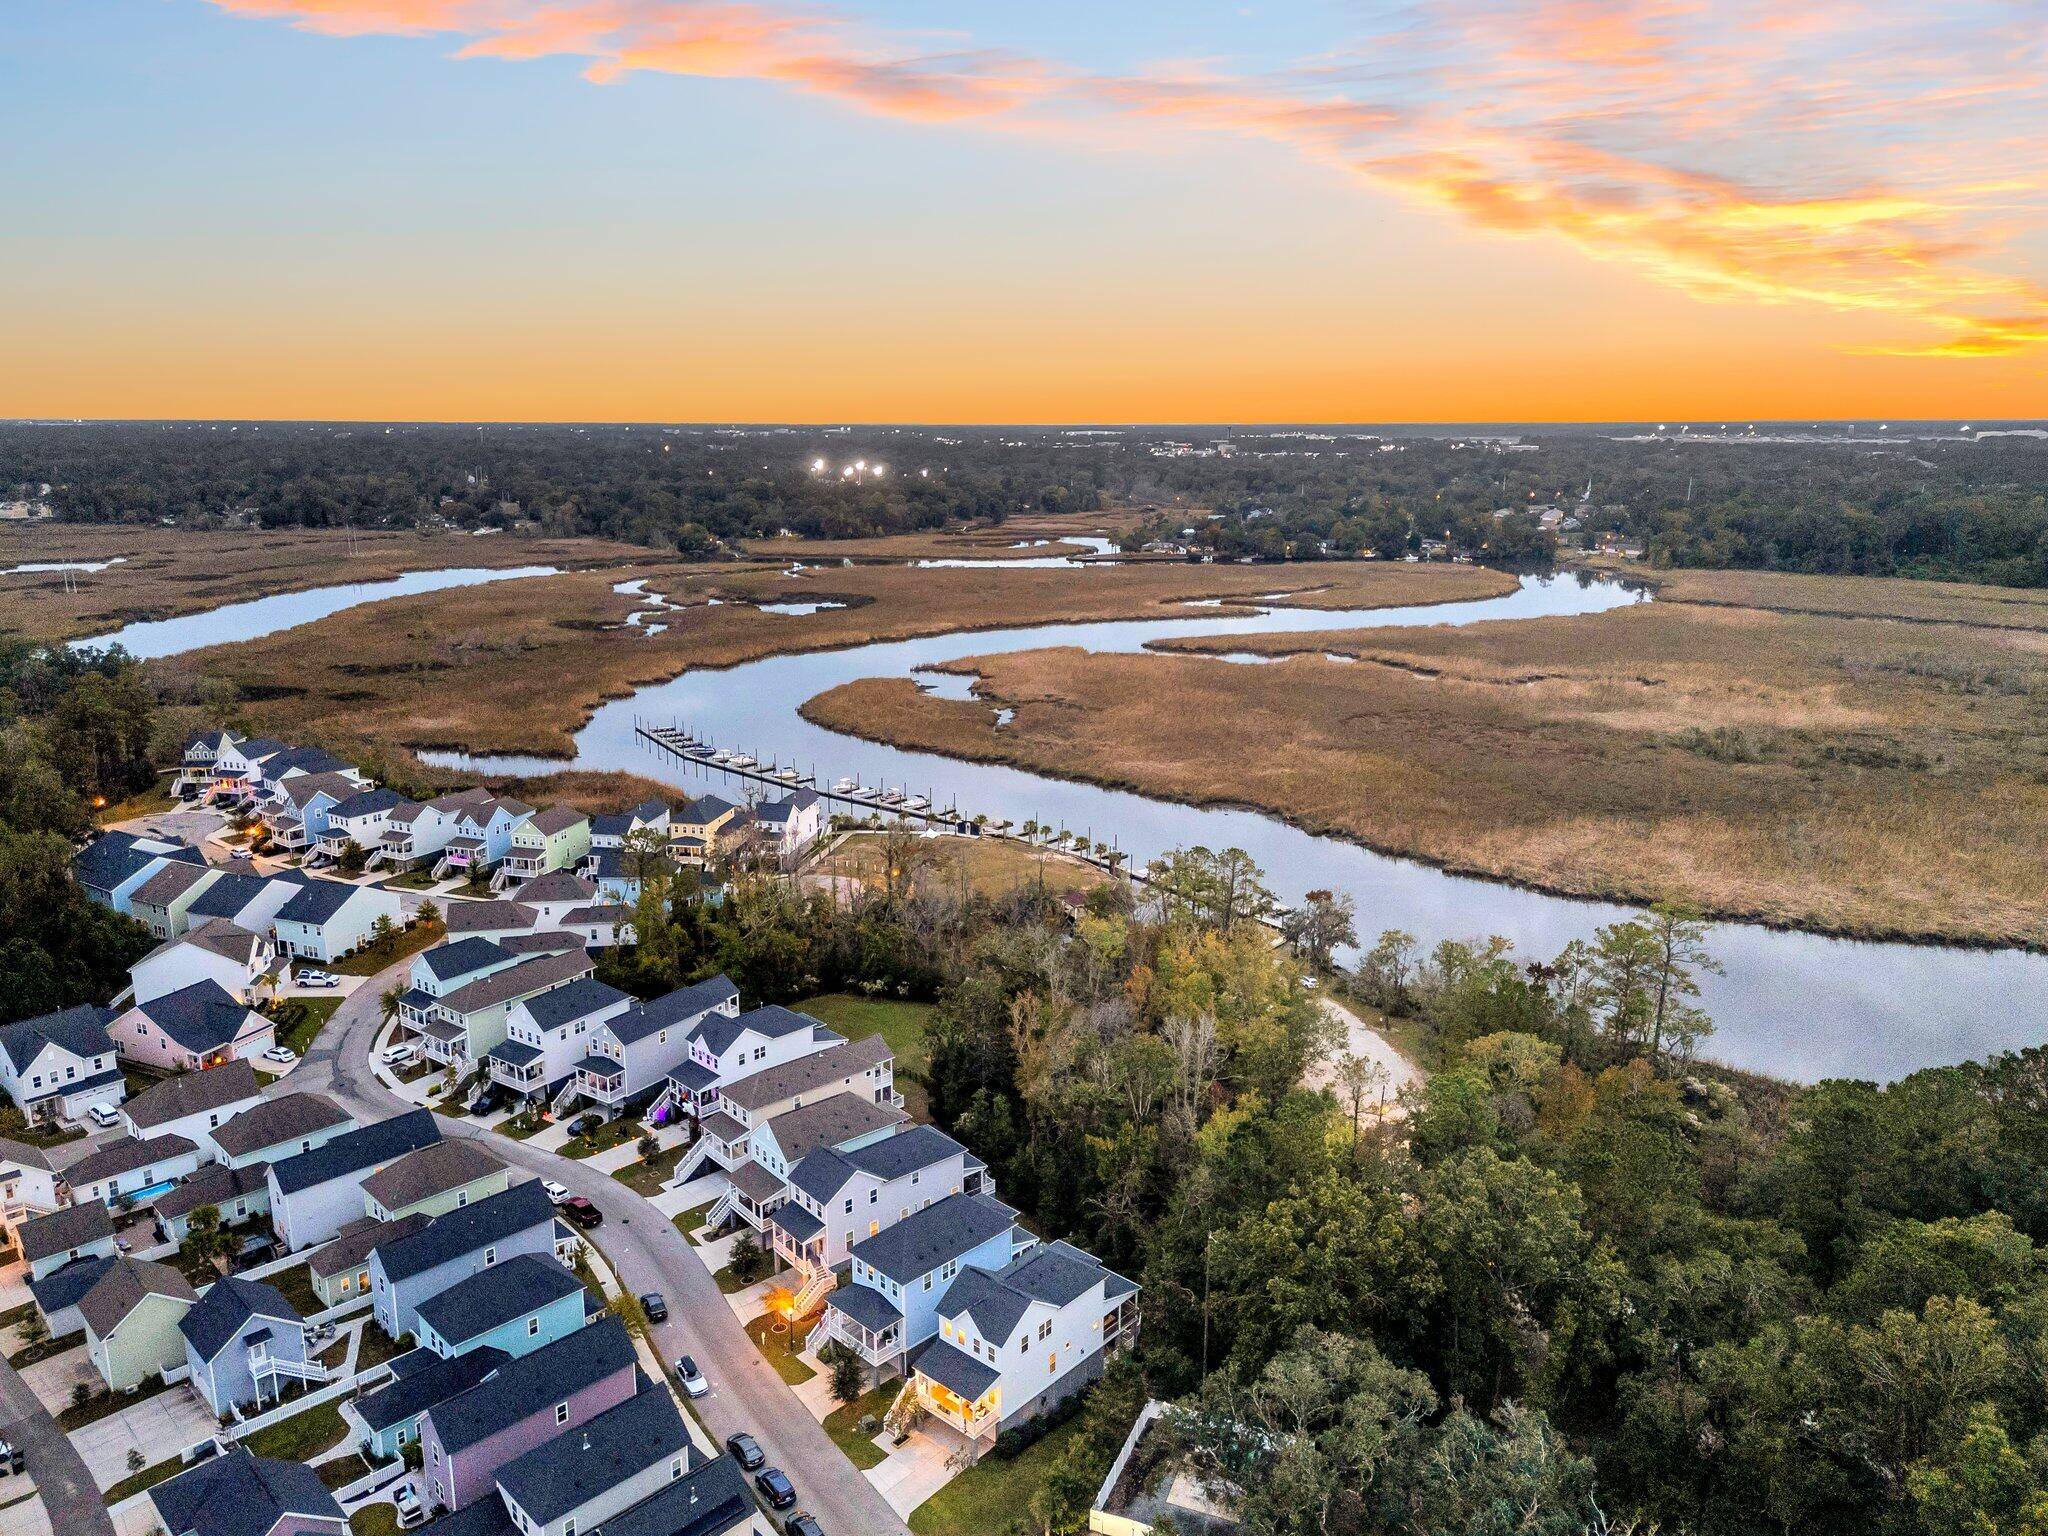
x,y
788,778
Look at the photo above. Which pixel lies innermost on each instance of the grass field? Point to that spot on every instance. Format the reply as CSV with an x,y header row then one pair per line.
x,y
781,1347
991,1495
372,958
167,572
308,1016
990,865
374,1520
302,1436
611,1134
843,1425
646,1178
1846,760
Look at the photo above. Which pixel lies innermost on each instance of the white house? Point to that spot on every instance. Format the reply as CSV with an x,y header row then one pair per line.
x,y
247,901
837,1198
114,865
193,1104
465,1024
792,823
130,1170
331,918
730,1044
548,1034
58,1066
632,1054
314,1194
216,950
360,819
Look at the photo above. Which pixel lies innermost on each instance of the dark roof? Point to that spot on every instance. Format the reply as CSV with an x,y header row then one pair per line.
x,y
576,1466
278,1120
305,760
957,1370
228,1304
317,901
352,1244
710,1500
478,916
1055,1273
771,1022
831,1121
123,1154
579,999
428,1380
66,1286
81,1030
556,885
522,1284
460,957
755,1182
691,1074
124,1286
76,1226
780,810
211,1185
466,1229
533,1383
514,1053
695,813
113,857
242,1495
228,895
866,1306
672,1008
925,1239
799,1223
486,1516
538,943
613,912
914,1147
353,1151
168,884
202,1017
556,818
365,801
432,1170
806,1074
192,1093
526,979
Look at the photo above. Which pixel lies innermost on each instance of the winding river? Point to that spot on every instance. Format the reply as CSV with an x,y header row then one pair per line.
x,y
1795,1005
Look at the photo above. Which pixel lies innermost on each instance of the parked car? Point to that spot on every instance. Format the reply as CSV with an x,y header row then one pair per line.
x,y
410,1511
801,1524
694,1384
101,1114
586,1125
579,1210
655,1305
397,1055
283,1055
746,1450
559,1193
775,1487
320,979
484,1100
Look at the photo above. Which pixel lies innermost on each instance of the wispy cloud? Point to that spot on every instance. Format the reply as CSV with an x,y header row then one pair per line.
x,y
1857,155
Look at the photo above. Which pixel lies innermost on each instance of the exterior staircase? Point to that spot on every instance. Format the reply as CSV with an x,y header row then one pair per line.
x,y
813,1292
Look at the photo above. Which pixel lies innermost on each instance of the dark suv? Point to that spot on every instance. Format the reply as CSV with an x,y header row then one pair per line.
x,y
746,1450
579,1210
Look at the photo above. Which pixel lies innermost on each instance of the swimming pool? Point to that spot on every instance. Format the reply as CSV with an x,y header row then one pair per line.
x,y
144,1196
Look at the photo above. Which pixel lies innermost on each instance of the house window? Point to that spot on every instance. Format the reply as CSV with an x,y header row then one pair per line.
x,y
490,1257
927,1282
1045,1330
561,1414
532,1327
675,1469
874,1195
462,1198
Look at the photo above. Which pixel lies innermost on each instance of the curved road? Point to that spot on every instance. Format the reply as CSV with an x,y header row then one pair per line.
x,y
649,1255
70,1497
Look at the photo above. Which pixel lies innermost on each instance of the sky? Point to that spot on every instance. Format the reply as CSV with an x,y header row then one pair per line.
x,y
909,211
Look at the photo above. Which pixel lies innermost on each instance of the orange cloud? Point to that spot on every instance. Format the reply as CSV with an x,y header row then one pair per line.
x,y
1853,156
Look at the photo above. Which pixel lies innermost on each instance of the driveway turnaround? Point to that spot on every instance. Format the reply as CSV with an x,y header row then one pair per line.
x,y
648,1254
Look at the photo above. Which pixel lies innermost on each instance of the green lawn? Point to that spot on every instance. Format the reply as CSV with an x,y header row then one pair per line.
x,y
136,1482
781,1348
991,1495
901,1024
377,1347
301,1020
519,1127
843,1425
98,1407
302,1436
43,1349
296,1286
613,1133
371,959
44,1135
646,1178
374,1520
692,1219
342,1471
729,1281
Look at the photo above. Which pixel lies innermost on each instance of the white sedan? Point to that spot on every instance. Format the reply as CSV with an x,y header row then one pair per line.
x,y
283,1055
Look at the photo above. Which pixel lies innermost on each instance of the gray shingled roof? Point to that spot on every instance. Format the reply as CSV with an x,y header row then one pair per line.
x,y
576,1466
533,1383
213,1184
243,1495
81,1030
525,979
771,1023
124,1154
289,1117
228,1304
455,1233
65,1286
829,1122
710,1500
432,1170
578,1000
352,1245
202,1017
807,1074
122,1288
957,1370
429,1380
500,1294
671,1009
866,1306
168,884
488,916
353,1151
946,1230
556,885
445,961
75,1226
317,901
193,1093
823,1172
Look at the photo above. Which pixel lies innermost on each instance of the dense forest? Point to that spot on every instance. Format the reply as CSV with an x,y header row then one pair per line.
x,y
1948,502
1584,1284
77,729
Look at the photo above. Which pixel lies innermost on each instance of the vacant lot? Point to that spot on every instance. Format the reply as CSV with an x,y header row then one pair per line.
x,y
1860,757
989,865
164,572
520,666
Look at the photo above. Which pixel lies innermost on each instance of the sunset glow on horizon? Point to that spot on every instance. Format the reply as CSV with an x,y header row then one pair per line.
x,y
759,210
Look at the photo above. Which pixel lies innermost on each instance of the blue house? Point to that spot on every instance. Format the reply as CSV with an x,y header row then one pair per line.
x,y
387,1420
243,1342
517,1307
455,1245
900,1275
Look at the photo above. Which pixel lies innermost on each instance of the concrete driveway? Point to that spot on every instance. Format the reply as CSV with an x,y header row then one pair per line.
x,y
648,1254
70,1499
52,1380
187,826
158,1427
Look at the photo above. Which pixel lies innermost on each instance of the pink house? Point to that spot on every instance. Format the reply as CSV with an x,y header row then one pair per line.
x,y
524,1403
193,1027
